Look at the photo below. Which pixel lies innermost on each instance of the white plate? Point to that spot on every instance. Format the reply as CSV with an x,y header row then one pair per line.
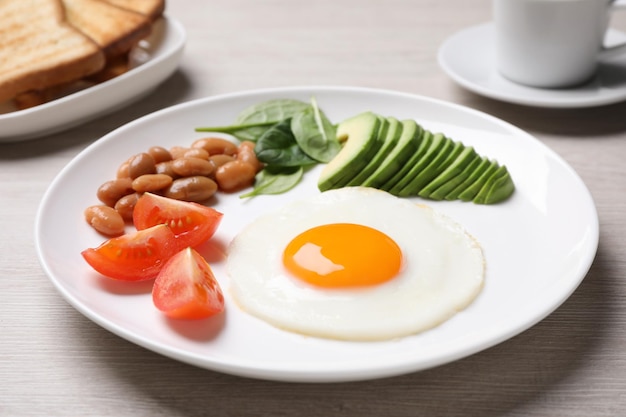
x,y
539,245
468,57
155,59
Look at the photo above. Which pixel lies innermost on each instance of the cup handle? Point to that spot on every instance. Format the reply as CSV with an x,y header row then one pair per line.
x,y
619,49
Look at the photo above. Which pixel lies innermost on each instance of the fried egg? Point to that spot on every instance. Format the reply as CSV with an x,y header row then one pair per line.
x,y
354,264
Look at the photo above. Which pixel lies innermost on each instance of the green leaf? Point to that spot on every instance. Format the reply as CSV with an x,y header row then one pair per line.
x,y
257,119
270,111
275,180
315,134
234,128
250,132
278,146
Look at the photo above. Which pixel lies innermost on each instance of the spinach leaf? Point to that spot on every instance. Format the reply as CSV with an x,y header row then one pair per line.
x,y
257,119
275,180
270,111
315,134
277,146
234,128
250,132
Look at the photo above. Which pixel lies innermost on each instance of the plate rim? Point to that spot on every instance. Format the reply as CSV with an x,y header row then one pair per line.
x,y
286,373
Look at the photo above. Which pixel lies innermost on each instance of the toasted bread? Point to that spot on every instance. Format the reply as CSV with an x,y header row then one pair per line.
x,y
39,49
151,8
34,98
115,29
114,67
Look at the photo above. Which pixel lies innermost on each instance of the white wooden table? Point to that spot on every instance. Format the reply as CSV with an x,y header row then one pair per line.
x,y
56,362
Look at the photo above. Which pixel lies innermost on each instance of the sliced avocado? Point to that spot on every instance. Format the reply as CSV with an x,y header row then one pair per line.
x,y
481,196
397,157
429,170
392,129
474,174
421,139
455,174
499,177
417,161
470,192
459,157
501,189
404,159
361,145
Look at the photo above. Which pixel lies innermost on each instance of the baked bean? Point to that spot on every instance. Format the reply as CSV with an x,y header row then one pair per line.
x,y
126,205
122,171
216,146
166,168
246,154
196,189
188,167
113,190
105,220
178,151
159,154
196,153
219,160
151,182
235,175
141,164
247,144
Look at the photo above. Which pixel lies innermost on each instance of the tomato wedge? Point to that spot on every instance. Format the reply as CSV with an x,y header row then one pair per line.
x,y
192,223
134,256
186,288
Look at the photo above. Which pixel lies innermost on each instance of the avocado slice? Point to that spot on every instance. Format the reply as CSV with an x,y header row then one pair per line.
x,y
421,141
473,175
470,192
361,145
497,177
405,147
392,129
501,189
459,157
455,174
429,169
417,161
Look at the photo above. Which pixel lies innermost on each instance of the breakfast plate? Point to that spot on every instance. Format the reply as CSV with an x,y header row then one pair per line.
x,y
152,61
468,57
537,249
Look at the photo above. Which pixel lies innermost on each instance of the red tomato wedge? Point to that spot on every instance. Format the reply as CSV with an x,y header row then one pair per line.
x,y
192,223
134,256
186,288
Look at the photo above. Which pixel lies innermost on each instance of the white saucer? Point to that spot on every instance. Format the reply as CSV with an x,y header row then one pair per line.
x,y
468,57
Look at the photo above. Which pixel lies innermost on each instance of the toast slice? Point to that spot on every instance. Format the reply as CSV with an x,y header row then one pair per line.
x,y
39,49
34,98
114,67
151,8
114,29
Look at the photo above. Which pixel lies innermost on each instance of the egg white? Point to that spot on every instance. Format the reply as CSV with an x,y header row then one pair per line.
x,y
442,273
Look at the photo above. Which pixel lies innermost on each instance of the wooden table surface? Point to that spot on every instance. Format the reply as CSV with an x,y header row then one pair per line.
x,y
56,362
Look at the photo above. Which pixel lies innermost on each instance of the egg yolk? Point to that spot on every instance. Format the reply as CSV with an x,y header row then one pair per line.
x,y
343,255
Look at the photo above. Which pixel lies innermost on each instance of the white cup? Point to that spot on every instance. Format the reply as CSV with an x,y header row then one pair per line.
x,y
552,43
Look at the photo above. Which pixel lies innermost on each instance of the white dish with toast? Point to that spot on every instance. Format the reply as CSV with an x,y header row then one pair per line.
x,y
152,61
